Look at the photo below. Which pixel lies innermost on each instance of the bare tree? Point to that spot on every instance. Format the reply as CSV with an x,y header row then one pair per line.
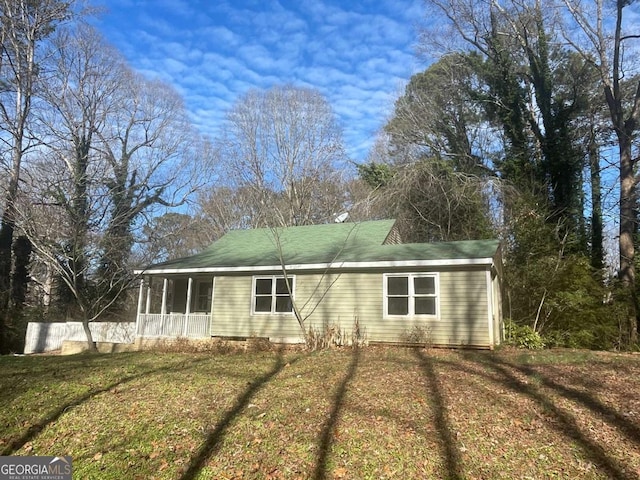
x,y
117,147
601,39
81,96
433,202
153,158
24,29
303,310
284,148
224,208
170,236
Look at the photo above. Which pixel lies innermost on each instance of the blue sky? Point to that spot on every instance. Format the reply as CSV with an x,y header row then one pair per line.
x,y
358,54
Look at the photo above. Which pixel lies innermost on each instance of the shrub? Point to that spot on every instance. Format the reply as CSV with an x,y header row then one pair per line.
x,y
259,344
418,335
333,335
523,336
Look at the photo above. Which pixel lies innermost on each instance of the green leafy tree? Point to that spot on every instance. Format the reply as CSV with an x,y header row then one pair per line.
x,y
376,175
551,291
542,97
436,117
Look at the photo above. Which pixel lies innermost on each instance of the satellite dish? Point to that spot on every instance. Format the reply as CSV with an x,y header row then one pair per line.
x,y
342,217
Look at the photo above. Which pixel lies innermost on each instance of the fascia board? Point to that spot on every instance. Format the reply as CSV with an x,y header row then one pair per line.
x,y
324,266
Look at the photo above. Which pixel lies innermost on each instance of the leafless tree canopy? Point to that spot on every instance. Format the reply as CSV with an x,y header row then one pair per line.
x,y
114,149
283,149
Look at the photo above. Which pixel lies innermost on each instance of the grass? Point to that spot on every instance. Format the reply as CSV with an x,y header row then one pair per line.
x,y
354,414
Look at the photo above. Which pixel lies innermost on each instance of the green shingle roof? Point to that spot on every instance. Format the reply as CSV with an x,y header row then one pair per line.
x,y
322,244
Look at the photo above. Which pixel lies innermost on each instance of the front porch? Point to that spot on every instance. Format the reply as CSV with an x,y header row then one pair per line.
x,y
173,325
173,307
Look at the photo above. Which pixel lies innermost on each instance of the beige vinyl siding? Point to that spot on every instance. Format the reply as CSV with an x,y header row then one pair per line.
x,y
462,317
232,313
339,299
498,325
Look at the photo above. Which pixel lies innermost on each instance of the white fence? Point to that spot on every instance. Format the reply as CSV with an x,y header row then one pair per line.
x,y
45,337
173,325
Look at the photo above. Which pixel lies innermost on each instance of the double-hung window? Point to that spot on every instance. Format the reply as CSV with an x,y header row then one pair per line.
x,y
271,295
411,294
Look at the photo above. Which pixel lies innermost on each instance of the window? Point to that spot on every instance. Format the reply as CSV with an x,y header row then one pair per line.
x,y
411,294
204,292
270,295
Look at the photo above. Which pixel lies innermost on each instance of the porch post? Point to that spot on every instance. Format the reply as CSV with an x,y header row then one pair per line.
x,y
147,308
165,284
140,298
213,292
187,309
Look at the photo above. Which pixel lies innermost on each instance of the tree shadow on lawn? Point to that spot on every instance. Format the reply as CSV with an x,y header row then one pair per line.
x,y
563,422
21,374
16,444
624,424
327,435
214,438
450,452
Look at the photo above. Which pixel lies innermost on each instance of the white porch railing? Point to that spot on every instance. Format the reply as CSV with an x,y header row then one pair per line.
x,y
173,325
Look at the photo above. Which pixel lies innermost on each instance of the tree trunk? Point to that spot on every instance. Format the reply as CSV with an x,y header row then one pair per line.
x,y
7,228
624,127
627,230
597,248
91,345
22,250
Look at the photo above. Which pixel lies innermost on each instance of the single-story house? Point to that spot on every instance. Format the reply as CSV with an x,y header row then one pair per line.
x,y
278,283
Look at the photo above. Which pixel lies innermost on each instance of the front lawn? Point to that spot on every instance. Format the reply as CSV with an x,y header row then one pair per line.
x,y
354,414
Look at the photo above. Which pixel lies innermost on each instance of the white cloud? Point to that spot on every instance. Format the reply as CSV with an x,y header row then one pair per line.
x,y
214,52
218,36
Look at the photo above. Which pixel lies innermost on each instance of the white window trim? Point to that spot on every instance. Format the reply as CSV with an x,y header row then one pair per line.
x,y
411,276
273,278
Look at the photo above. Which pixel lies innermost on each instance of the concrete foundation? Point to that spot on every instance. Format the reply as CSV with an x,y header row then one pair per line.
x,y
71,347
181,344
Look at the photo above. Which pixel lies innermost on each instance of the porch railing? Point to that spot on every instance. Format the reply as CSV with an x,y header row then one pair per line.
x,y
173,325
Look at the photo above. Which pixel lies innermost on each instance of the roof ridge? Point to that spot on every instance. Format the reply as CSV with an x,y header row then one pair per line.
x,y
313,225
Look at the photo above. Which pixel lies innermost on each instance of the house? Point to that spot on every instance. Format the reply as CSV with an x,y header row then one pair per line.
x,y
343,276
